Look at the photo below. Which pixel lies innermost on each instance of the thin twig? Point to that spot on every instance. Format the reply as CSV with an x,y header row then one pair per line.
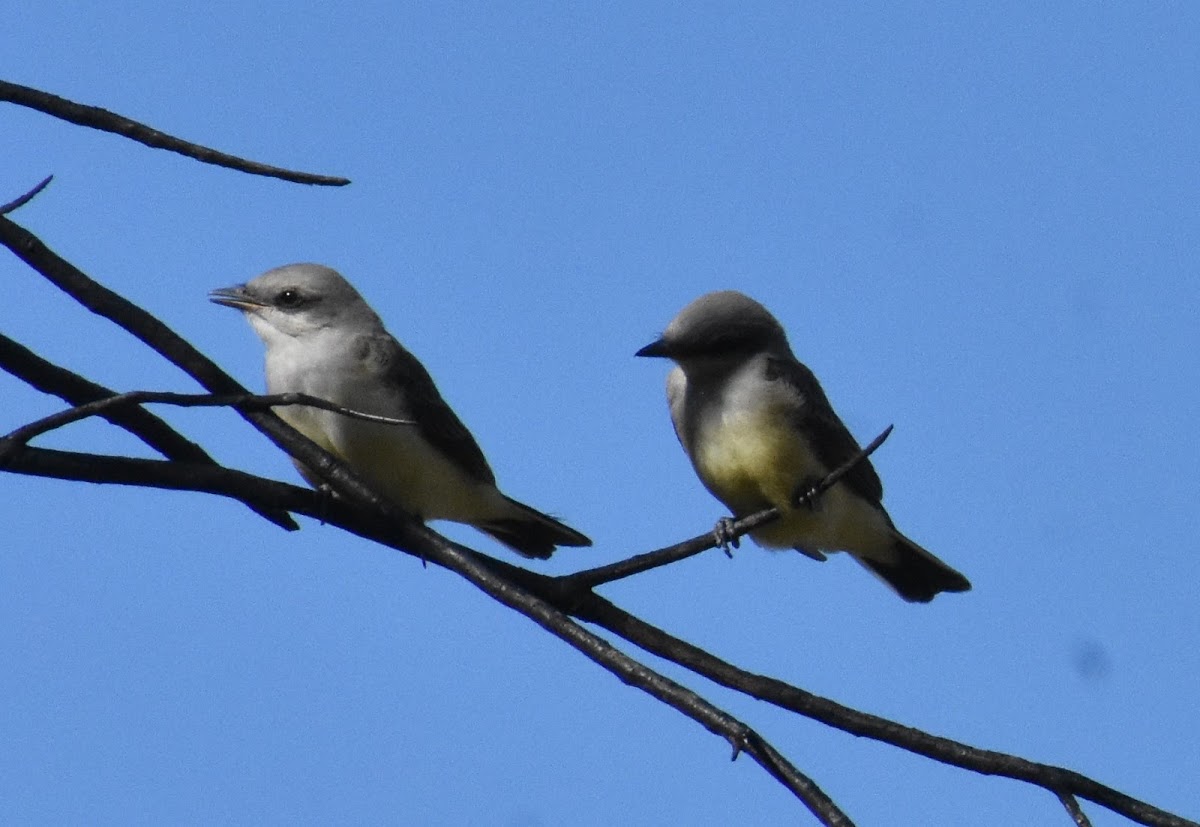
x,y
844,468
22,200
105,121
590,578
1077,814
244,402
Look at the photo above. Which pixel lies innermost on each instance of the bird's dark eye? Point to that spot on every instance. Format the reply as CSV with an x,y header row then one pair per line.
x,y
289,298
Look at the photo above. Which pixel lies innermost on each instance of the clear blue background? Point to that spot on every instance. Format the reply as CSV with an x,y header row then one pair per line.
x,y
980,225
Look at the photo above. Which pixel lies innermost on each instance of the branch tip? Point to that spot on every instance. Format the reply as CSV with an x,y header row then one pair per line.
x,y
22,200
94,117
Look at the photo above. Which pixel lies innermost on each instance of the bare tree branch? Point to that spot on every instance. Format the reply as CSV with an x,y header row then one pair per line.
x,y
416,539
97,118
596,609
593,609
169,475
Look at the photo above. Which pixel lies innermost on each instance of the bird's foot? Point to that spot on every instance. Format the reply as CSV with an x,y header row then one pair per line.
x,y
808,493
725,536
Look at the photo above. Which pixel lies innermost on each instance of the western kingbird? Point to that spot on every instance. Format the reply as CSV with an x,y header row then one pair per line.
x,y
324,340
760,432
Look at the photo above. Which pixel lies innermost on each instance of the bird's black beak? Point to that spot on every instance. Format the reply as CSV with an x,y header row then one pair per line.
x,y
235,297
656,348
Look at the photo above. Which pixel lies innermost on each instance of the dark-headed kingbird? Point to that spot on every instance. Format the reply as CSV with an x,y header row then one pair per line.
x,y
760,432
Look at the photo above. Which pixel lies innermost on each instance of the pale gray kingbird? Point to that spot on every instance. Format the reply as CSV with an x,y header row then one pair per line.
x,y
322,339
760,432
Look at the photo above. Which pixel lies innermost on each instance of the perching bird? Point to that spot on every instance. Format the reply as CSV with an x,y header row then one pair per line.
x,y
322,339
760,432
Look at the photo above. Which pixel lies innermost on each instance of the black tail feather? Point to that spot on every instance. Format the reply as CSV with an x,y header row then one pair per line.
x,y
914,573
532,533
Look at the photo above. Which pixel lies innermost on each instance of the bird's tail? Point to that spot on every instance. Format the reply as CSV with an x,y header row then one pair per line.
x,y
531,533
914,573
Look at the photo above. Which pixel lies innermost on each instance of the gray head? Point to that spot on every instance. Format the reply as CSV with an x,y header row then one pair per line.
x,y
298,300
726,325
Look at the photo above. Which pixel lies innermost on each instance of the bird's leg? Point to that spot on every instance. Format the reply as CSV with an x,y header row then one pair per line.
x,y
813,555
807,495
325,496
725,536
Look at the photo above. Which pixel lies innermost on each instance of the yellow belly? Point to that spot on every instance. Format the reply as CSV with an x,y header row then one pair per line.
x,y
397,464
753,460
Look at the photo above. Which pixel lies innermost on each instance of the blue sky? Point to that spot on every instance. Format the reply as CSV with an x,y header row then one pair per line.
x,y
979,225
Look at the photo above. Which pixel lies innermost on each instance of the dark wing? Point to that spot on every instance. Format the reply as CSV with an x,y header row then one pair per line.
x,y
435,419
831,440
